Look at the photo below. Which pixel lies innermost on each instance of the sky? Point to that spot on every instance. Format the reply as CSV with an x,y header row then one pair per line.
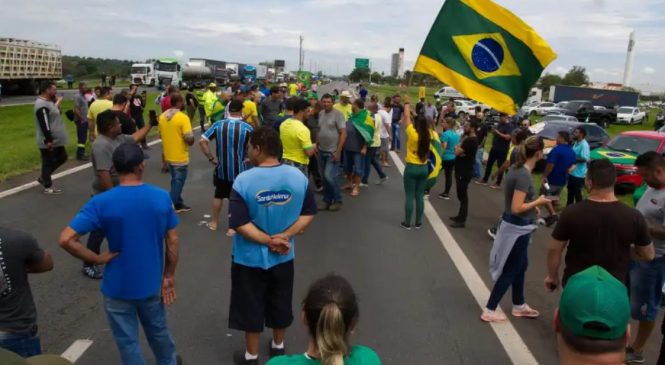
x,y
590,33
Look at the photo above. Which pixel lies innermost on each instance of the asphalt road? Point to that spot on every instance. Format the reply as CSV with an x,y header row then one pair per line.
x,y
415,305
67,94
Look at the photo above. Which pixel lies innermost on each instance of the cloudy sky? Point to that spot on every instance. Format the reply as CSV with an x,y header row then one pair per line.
x,y
590,33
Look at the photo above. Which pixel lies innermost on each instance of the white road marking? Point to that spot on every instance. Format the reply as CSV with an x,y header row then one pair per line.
x,y
516,349
20,188
76,350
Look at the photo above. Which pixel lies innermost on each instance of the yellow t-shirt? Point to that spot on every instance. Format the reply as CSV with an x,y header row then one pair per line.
x,y
97,107
377,130
346,110
173,131
293,90
249,112
296,139
412,145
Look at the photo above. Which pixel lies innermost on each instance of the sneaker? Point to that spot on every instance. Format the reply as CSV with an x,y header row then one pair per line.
x,y
458,224
324,207
634,357
335,207
52,191
444,196
405,226
492,232
182,208
382,181
493,316
239,359
541,222
525,311
363,185
275,352
93,272
40,181
418,226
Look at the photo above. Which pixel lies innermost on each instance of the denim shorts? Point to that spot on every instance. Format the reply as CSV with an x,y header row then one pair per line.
x,y
646,285
354,163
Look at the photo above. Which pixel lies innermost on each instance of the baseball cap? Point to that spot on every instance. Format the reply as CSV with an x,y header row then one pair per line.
x,y
212,84
595,304
345,94
126,157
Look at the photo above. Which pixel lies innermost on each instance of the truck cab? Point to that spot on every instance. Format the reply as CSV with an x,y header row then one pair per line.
x,y
143,74
168,72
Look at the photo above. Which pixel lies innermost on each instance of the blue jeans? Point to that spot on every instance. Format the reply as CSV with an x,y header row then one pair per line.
x,y
477,166
372,159
395,145
330,171
178,178
515,268
646,285
24,345
124,317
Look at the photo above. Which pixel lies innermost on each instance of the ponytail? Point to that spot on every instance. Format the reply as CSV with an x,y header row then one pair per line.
x,y
331,335
528,149
424,137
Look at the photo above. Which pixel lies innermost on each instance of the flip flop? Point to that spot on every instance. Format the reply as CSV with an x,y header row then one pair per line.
x,y
211,226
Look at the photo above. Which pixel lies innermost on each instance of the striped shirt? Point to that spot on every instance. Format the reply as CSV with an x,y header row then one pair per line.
x,y
232,136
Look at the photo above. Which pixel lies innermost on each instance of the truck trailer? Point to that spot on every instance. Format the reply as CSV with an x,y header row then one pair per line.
x,y
599,97
24,64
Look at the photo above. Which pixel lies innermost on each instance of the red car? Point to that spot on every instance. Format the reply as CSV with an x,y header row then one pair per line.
x,y
623,150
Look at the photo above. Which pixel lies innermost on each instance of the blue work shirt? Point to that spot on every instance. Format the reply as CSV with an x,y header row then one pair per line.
x,y
582,150
272,198
562,157
451,139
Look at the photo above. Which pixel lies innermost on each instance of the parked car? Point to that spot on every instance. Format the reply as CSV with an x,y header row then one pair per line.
x,y
584,111
538,109
549,130
464,108
623,151
660,118
558,117
630,115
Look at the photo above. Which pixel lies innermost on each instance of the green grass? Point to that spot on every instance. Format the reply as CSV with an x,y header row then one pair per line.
x,y
18,141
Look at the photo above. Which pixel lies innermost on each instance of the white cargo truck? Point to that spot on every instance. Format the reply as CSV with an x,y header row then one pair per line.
x,y
24,64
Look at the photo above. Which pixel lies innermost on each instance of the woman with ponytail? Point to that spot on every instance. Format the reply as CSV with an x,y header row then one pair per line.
x,y
418,138
330,313
509,256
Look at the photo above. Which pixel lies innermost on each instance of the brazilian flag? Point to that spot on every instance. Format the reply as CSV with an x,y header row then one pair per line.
x,y
434,162
485,52
364,123
305,78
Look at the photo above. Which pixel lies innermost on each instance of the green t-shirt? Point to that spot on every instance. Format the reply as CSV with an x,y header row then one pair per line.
x,y
360,355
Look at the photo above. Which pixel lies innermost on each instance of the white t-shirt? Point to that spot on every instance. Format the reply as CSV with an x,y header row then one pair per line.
x,y
386,118
652,207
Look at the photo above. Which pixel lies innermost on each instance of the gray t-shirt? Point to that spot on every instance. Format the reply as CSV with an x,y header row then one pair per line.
x,y
652,207
354,140
82,105
269,110
519,178
17,308
46,110
102,157
330,123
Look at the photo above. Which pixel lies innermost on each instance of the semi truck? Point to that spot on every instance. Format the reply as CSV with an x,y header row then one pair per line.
x,y
163,71
599,97
199,72
24,64
144,74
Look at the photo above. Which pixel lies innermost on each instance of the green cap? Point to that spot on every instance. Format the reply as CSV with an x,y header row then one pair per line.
x,y
595,304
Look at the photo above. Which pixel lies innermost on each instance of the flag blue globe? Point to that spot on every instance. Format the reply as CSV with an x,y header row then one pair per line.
x,y
487,55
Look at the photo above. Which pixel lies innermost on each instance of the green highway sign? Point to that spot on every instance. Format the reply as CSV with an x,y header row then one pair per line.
x,y
362,62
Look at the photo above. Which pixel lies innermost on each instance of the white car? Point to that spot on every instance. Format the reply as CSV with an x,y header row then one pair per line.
x,y
630,115
538,108
464,108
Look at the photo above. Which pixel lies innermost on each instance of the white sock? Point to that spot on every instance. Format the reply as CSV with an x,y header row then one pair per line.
x,y
519,307
249,356
276,346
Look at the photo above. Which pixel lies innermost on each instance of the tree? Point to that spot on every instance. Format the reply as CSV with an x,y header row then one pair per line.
x,y
359,74
376,77
549,80
577,76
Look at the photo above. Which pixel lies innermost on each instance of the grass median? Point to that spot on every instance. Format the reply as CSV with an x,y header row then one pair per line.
x,y
19,143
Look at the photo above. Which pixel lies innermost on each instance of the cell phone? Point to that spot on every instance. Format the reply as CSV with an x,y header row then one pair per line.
x,y
152,116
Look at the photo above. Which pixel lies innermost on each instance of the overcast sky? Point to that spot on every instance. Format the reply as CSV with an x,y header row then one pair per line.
x,y
590,33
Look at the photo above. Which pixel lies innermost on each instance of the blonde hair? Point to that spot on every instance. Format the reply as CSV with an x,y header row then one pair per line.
x,y
331,335
529,149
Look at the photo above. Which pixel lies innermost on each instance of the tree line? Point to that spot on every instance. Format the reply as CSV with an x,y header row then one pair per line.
x,y
89,67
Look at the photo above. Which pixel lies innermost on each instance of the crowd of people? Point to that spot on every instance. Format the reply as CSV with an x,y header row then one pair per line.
x,y
274,149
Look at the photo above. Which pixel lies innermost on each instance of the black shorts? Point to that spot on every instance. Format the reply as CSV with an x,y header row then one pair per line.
x,y
261,297
222,187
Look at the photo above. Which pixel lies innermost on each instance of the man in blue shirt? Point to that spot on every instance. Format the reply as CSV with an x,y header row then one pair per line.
x,y
269,205
582,158
560,159
231,136
137,281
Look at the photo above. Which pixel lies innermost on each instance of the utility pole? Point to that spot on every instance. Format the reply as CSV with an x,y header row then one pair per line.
x,y
302,54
